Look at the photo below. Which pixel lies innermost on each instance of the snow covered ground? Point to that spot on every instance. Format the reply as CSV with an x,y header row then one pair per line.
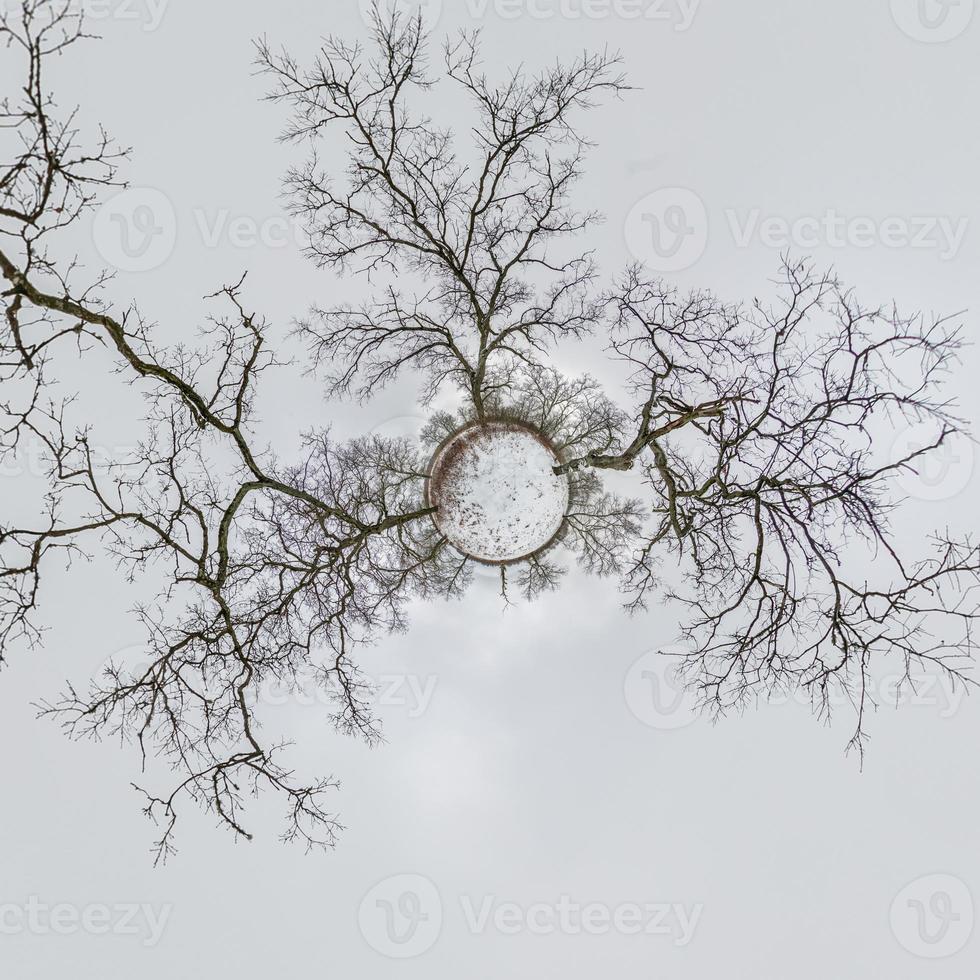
x,y
498,496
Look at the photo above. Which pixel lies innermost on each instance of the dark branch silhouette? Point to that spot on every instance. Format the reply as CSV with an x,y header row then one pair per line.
x,y
757,436
480,226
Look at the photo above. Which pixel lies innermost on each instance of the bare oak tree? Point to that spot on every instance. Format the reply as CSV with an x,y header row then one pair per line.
x,y
481,227
756,440
279,568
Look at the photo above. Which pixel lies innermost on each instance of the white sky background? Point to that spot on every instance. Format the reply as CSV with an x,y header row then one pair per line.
x,y
524,773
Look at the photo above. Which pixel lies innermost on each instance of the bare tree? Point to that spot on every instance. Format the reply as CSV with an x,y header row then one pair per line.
x,y
752,432
275,564
482,227
756,438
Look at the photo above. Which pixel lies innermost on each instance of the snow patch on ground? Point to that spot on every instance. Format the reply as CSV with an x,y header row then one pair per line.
x,y
498,496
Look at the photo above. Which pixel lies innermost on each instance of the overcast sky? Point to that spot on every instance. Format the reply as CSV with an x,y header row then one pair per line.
x,y
536,811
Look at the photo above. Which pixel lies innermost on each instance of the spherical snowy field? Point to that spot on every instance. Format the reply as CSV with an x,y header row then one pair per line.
x,y
498,497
